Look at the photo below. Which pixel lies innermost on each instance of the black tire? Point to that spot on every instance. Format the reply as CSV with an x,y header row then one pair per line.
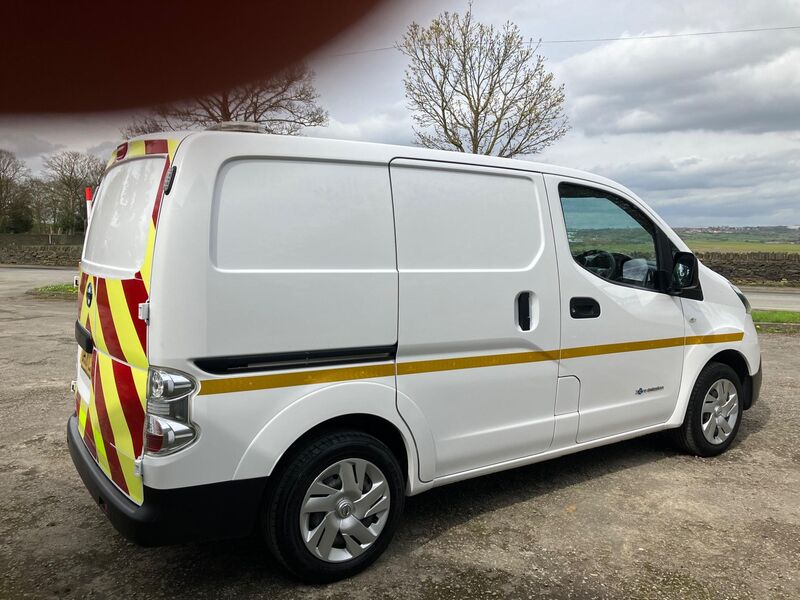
x,y
281,515
689,436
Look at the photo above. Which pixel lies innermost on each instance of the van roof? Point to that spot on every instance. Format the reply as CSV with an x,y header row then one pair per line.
x,y
334,149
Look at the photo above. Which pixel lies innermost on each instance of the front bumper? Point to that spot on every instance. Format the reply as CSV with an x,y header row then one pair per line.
x,y
755,387
213,511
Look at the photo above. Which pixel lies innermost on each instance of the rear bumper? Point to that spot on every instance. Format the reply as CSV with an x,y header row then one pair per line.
x,y
215,511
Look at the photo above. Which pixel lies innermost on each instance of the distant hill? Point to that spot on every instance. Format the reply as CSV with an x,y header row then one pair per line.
x,y
741,239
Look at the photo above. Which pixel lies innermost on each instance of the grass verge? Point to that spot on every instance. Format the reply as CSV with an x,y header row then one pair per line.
x,y
776,316
63,291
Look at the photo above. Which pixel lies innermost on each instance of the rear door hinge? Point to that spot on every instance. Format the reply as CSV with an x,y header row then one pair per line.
x,y
144,311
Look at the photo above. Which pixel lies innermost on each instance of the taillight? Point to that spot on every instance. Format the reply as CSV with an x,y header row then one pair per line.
x,y
167,426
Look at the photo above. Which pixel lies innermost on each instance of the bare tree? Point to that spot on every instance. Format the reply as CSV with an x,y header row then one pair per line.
x,y
44,204
13,174
68,174
475,88
283,104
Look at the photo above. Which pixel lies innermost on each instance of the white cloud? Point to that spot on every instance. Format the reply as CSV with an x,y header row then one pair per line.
x,y
705,128
744,82
392,125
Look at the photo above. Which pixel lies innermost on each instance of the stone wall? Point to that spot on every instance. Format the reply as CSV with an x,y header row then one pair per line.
x,y
40,239
755,267
54,256
740,267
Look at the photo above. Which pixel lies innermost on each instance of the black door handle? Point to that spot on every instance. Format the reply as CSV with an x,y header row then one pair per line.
x,y
524,311
584,308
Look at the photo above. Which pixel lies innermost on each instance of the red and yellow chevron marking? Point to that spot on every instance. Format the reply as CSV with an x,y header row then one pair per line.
x,y
84,311
112,422
118,331
139,148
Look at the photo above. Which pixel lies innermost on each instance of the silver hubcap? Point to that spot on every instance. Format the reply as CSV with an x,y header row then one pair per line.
x,y
720,411
344,510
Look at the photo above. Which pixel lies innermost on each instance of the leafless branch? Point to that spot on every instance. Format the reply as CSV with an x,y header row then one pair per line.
x,y
284,104
476,88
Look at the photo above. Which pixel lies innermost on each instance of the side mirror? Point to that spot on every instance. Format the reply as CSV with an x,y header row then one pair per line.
x,y
685,273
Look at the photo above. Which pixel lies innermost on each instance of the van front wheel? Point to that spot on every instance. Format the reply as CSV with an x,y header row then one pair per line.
x,y
714,412
335,506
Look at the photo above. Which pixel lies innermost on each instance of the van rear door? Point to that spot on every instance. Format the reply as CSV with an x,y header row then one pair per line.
x,y
114,282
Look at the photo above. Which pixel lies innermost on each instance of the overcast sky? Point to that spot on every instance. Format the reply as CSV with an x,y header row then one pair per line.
x,y
705,128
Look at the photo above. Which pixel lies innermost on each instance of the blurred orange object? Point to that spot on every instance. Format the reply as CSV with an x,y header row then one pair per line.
x,y
82,56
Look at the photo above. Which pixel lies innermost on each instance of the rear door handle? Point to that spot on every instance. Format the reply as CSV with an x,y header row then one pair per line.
x,y
584,308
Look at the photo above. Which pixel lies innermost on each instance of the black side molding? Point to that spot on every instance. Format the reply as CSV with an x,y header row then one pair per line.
x,y
84,338
224,365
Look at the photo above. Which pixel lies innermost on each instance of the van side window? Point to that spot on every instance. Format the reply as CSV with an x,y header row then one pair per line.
x,y
609,237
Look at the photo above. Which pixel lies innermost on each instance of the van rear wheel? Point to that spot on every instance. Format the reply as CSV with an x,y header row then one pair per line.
x,y
714,412
334,506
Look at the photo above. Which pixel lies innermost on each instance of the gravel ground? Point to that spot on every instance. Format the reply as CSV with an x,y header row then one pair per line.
x,y
632,520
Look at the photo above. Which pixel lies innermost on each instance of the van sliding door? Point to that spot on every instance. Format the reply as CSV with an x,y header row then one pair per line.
x,y
478,329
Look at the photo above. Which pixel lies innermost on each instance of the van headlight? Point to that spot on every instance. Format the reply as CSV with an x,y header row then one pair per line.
x,y
167,426
743,298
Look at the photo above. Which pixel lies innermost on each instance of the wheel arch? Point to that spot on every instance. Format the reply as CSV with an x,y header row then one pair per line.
x,y
696,360
378,427
363,406
736,361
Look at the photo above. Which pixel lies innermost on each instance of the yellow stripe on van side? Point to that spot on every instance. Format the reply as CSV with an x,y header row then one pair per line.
x,y
262,382
718,338
601,349
474,362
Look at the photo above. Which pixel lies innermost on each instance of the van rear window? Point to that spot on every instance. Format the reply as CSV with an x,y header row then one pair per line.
x,y
120,223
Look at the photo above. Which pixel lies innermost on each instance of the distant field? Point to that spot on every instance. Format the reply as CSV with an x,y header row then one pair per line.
x,y
737,246
751,239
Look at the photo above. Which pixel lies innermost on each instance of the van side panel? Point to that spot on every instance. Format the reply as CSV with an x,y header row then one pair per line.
x,y
263,254
470,242
298,256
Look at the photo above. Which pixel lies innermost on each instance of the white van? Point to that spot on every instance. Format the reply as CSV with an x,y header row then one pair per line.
x,y
290,335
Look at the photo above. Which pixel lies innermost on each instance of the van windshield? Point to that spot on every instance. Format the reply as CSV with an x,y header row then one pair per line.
x,y
120,222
